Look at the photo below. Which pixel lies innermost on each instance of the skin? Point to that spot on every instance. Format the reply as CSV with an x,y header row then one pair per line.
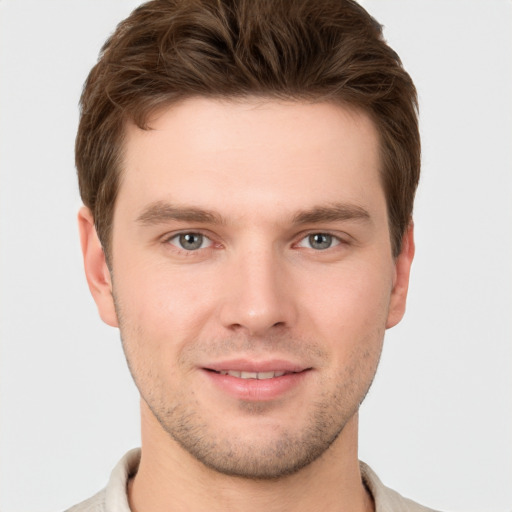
x,y
259,288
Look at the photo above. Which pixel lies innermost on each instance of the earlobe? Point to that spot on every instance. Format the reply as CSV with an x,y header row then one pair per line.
x,y
401,282
96,269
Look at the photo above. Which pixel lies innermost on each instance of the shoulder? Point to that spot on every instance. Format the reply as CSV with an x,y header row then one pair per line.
x,y
386,499
114,497
94,504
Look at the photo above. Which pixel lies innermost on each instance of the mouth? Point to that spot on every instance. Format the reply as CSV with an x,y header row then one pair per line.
x,y
252,375
253,381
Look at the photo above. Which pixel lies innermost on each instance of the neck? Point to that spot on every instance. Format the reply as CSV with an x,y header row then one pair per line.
x,y
170,478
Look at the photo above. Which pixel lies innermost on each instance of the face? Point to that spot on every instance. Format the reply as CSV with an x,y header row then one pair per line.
x,y
252,275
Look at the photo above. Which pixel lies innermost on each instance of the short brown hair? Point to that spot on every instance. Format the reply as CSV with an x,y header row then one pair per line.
x,y
311,50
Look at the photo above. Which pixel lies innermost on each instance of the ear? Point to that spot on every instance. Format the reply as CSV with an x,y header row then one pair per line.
x,y
401,281
96,269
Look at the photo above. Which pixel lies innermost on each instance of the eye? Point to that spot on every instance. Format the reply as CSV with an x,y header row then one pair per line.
x,y
190,241
319,241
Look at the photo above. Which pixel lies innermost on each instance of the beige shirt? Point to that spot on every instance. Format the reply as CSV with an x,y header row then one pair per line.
x,y
114,498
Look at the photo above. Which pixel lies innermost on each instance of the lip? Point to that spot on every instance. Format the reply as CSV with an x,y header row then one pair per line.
x,y
247,365
256,390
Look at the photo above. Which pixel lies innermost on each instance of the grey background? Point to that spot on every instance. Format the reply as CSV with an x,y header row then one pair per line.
x,y
437,425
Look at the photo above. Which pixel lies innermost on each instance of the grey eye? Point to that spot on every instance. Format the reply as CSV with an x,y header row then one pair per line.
x,y
191,241
320,241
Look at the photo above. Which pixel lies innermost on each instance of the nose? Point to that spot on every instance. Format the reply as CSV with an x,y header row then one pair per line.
x,y
258,294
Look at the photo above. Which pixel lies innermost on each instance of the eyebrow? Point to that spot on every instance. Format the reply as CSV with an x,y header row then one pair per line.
x,y
160,212
332,213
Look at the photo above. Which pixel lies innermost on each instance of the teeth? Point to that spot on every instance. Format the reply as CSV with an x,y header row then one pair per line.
x,y
252,375
265,375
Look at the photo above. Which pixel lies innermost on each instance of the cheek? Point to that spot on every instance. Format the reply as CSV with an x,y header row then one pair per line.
x,y
350,318
351,305
162,308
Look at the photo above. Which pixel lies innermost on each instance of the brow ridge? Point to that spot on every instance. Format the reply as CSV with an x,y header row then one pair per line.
x,y
160,212
332,213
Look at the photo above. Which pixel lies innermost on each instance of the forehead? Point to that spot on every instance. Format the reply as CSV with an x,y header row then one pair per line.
x,y
257,152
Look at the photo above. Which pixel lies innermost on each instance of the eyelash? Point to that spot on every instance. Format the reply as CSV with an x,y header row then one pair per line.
x,y
304,237
189,252
332,238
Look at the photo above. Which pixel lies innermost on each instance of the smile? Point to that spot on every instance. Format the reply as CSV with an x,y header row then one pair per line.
x,y
253,375
256,381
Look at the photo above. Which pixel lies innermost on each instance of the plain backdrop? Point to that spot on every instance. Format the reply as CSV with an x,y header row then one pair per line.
x,y
437,424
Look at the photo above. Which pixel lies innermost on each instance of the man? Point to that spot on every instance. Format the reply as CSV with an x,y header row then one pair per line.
x,y
248,170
